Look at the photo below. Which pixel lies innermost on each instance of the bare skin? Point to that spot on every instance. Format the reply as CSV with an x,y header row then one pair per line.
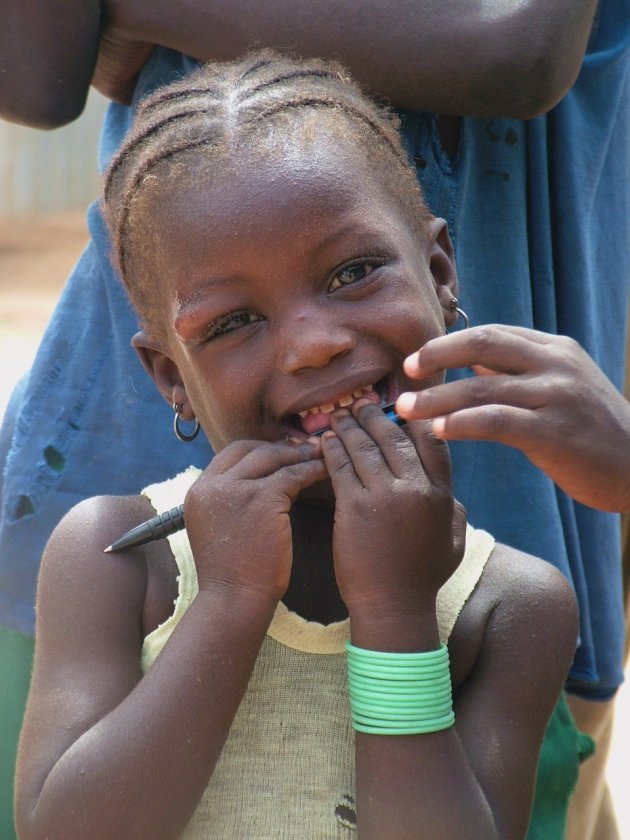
x,y
47,58
105,739
539,393
512,59
259,327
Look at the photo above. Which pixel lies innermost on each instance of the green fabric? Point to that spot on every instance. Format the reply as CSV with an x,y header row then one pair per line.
x,y
563,749
16,657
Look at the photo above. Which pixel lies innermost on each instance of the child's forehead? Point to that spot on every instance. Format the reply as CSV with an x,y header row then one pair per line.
x,y
292,182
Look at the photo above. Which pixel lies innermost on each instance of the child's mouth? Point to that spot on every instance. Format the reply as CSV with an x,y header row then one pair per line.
x,y
316,420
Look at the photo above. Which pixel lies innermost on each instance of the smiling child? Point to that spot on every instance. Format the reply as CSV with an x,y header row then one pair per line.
x,y
342,650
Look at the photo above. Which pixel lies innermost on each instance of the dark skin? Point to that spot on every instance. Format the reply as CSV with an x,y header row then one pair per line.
x,y
259,327
540,393
63,35
457,58
514,59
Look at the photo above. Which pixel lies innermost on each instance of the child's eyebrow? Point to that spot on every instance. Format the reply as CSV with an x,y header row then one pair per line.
x,y
189,301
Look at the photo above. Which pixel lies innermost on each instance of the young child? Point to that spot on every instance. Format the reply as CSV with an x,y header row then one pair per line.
x,y
281,279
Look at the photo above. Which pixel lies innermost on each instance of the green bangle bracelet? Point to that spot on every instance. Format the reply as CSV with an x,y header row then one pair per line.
x,y
375,728
364,669
399,693
429,693
384,713
411,730
382,656
369,720
386,704
399,685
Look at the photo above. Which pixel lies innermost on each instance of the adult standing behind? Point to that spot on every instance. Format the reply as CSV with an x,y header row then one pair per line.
x,y
538,211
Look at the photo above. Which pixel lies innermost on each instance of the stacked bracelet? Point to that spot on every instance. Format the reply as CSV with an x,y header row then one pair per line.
x,y
399,693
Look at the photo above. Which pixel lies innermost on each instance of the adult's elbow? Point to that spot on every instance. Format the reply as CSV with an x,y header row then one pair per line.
x,y
52,107
536,86
532,65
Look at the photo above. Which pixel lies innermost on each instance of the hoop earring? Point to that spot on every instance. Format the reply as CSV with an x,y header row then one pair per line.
x,y
454,307
178,408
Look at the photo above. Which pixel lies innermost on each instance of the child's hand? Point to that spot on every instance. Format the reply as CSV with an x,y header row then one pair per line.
x,y
398,532
237,514
540,393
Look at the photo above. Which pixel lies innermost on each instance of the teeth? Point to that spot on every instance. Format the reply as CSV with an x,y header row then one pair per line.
x,y
328,408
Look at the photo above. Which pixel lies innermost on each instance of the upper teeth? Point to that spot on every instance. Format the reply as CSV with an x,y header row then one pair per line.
x,y
327,408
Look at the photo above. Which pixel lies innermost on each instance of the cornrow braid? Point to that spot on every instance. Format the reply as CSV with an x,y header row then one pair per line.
x,y
223,107
319,102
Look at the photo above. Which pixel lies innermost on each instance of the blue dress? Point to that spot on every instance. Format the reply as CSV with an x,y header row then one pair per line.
x,y
539,215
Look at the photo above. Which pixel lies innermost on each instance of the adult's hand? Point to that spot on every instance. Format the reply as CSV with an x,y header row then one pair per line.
x,y
540,393
120,59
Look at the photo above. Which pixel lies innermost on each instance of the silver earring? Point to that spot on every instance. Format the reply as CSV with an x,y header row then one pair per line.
x,y
454,307
178,408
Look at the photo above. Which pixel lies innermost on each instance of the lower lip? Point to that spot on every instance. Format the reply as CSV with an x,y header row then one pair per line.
x,y
388,410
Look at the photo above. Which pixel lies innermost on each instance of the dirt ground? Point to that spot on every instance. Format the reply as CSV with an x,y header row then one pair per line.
x,y
36,256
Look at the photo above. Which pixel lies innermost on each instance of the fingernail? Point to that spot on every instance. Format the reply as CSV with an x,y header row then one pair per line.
x,y
405,403
439,426
410,364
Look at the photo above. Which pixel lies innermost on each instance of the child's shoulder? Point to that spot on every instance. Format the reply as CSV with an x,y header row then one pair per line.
x,y
522,608
515,578
98,521
75,565
75,552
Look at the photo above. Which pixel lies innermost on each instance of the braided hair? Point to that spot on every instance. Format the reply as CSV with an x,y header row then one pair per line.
x,y
233,107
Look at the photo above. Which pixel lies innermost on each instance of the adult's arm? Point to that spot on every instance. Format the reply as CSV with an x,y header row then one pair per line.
x,y
513,58
47,57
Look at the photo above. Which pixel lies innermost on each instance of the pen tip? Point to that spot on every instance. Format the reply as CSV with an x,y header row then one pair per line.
x,y
108,549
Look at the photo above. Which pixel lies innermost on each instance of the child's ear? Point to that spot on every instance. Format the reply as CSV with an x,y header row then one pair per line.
x,y
162,370
443,270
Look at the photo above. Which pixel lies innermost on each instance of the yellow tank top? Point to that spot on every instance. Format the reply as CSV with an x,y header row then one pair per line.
x,y
287,769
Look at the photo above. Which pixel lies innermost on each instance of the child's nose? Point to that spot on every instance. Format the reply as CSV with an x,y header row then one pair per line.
x,y
312,340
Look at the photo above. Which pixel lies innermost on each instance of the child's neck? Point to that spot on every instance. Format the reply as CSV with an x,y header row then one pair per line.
x,y
312,591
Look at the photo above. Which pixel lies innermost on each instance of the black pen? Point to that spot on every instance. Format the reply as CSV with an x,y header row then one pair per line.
x,y
153,529
172,520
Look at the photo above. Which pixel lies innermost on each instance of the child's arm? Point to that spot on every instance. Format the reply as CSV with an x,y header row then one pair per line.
x,y
398,537
512,59
47,57
106,752
540,393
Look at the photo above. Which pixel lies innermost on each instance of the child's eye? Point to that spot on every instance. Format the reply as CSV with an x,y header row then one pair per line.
x,y
351,274
229,323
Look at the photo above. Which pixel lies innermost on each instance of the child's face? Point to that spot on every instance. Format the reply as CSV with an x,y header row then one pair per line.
x,y
292,285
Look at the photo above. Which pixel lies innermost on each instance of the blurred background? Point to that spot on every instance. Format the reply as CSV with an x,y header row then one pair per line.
x,y
47,181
